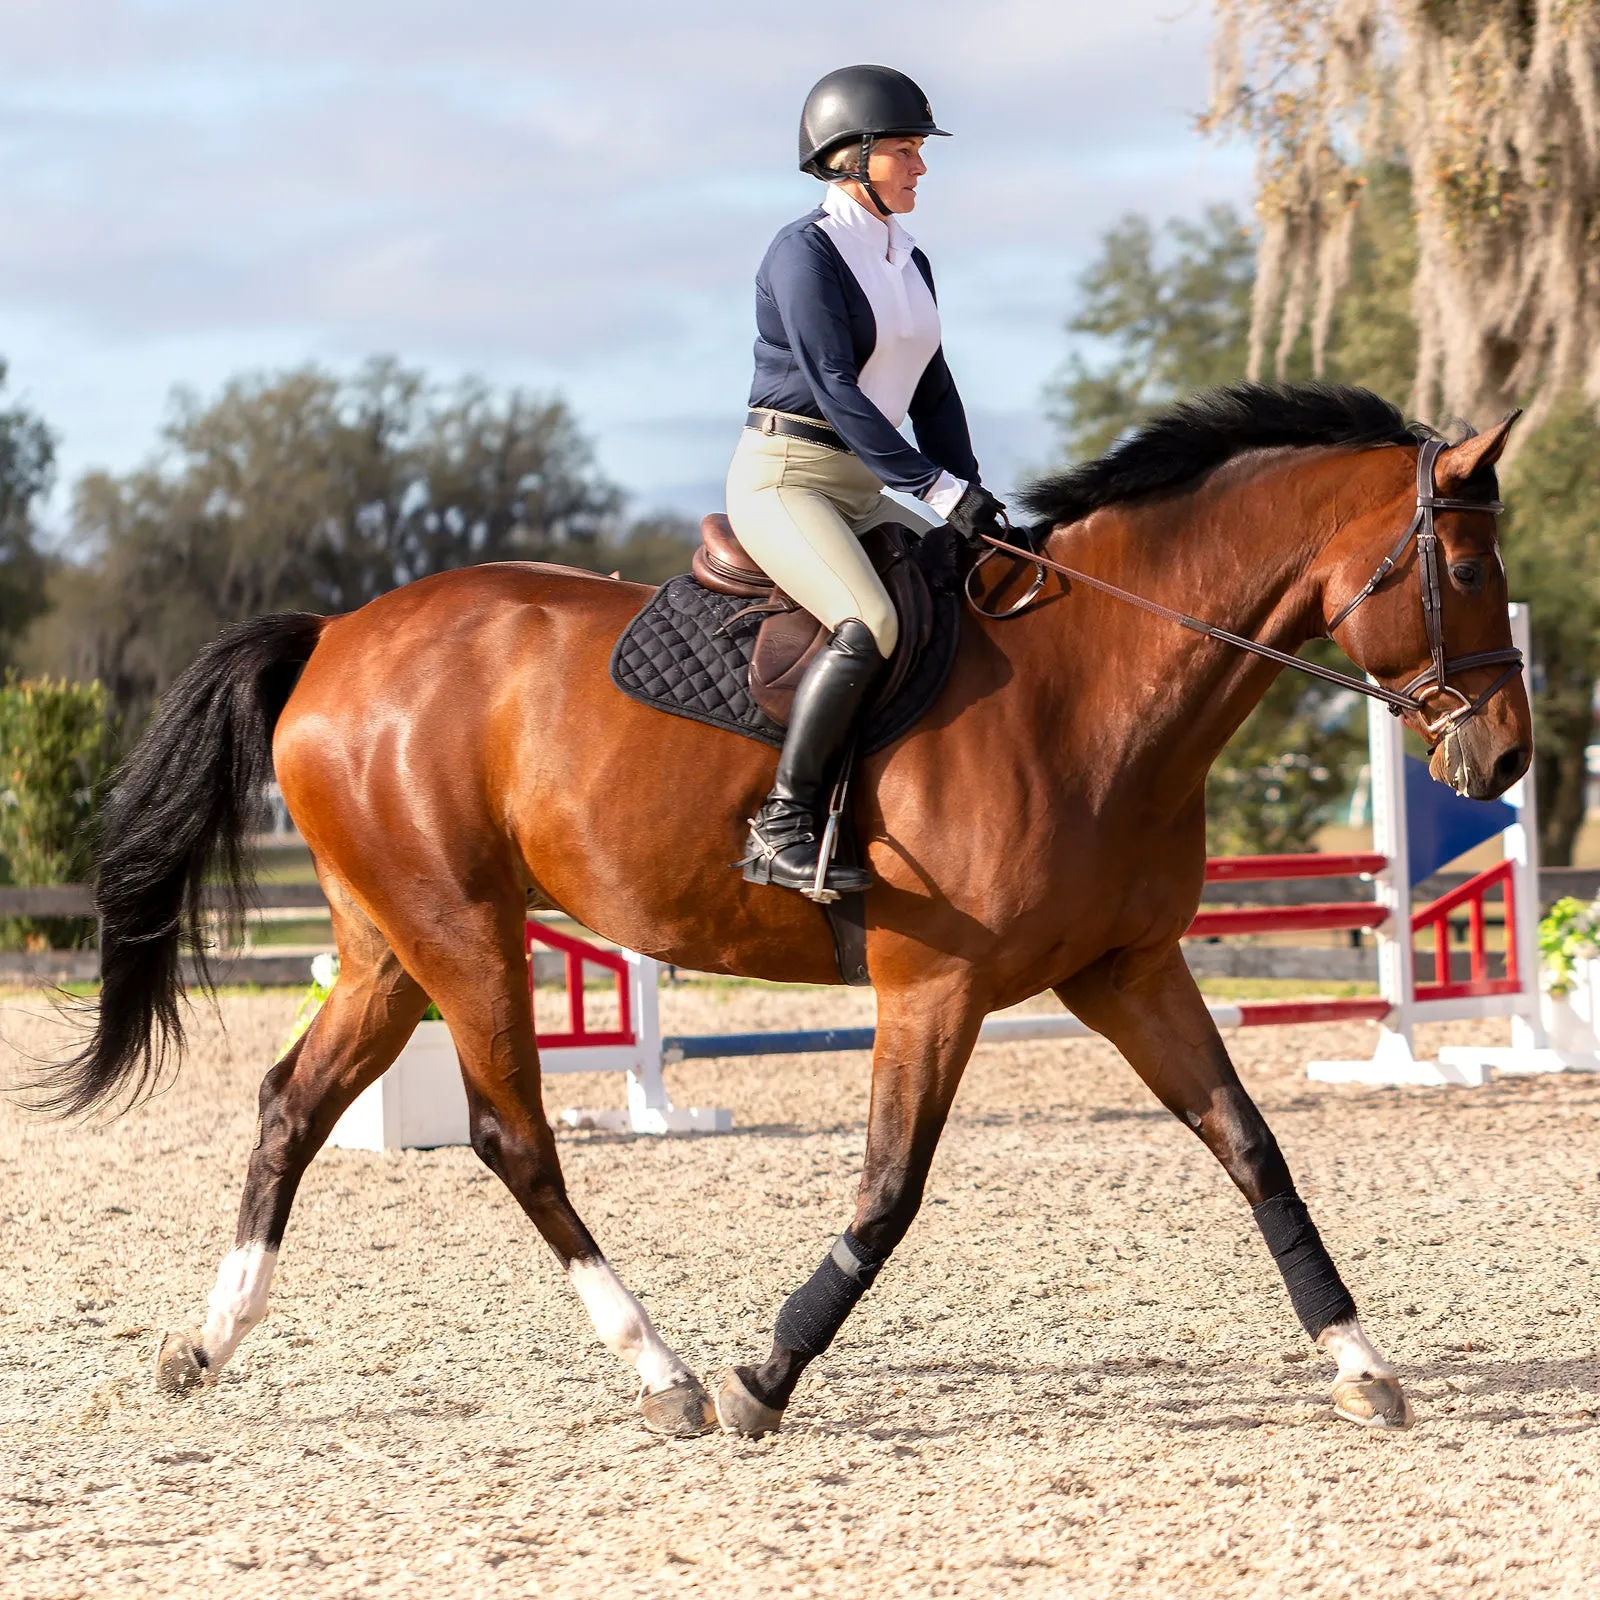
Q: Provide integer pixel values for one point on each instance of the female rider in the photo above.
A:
(847, 345)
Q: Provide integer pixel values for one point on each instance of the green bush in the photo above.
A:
(1289, 768)
(56, 752)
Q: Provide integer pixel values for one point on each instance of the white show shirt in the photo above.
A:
(878, 254)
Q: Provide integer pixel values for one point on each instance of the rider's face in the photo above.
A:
(895, 167)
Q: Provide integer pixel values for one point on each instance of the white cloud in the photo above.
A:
(560, 195)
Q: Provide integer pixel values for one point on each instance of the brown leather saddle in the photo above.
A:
(790, 636)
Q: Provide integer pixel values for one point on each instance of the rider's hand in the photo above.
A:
(976, 513)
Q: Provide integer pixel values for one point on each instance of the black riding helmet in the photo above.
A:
(864, 103)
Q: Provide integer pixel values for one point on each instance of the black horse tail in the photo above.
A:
(176, 825)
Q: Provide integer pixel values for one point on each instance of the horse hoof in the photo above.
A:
(682, 1412)
(181, 1365)
(1373, 1403)
(740, 1412)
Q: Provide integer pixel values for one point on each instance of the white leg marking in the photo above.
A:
(624, 1326)
(238, 1302)
(1353, 1352)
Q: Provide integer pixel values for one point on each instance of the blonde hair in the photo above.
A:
(845, 158)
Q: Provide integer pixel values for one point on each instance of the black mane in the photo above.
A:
(1198, 434)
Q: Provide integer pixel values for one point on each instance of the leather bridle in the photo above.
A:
(1429, 684)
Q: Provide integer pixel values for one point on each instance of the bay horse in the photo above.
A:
(455, 751)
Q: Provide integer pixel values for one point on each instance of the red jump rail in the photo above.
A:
(1331, 916)
(1288, 919)
(1471, 894)
(1247, 869)
(1277, 1013)
(577, 951)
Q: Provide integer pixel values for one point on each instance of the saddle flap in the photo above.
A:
(785, 644)
(788, 640)
(889, 548)
(684, 655)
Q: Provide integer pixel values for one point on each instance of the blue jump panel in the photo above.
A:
(700, 1046)
(1441, 825)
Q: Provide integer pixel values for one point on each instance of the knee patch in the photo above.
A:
(885, 627)
(815, 1312)
(1316, 1290)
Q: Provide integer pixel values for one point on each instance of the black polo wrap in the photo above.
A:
(1316, 1290)
(815, 1312)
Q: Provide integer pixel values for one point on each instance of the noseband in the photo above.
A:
(1431, 683)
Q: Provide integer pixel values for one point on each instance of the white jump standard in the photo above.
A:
(1447, 998)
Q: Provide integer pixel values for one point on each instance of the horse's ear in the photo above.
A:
(1457, 464)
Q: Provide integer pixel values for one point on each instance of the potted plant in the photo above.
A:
(1569, 976)
(431, 1032)
(418, 1103)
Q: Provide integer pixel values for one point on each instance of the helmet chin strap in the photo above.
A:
(860, 175)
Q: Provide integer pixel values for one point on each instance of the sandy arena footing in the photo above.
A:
(1079, 1377)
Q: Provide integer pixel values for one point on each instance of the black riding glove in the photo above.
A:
(976, 513)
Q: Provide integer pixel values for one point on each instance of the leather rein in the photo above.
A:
(1414, 697)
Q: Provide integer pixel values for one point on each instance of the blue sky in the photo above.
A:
(563, 196)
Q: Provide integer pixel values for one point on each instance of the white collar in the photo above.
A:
(887, 239)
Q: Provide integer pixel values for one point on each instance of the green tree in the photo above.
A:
(1490, 108)
(304, 490)
(1163, 312)
(27, 468)
(1551, 539)
(56, 746)
(1372, 337)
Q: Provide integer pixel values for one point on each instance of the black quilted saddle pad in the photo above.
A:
(676, 656)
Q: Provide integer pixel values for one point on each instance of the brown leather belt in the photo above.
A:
(795, 428)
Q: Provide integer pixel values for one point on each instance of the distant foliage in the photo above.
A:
(654, 549)
(27, 469)
(1164, 312)
(56, 752)
(1551, 539)
(1288, 768)
(304, 490)
(1493, 109)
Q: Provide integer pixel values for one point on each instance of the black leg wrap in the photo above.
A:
(815, 1312)
(1316, 1290)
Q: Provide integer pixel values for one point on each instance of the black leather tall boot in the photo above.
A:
(786, 833)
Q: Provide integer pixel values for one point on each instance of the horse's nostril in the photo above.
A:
(1510, 765)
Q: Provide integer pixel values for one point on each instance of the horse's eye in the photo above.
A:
(1467, 575)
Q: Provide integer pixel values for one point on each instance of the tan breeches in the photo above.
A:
(798, 508)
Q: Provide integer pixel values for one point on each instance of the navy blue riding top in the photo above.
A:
(815, 331)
